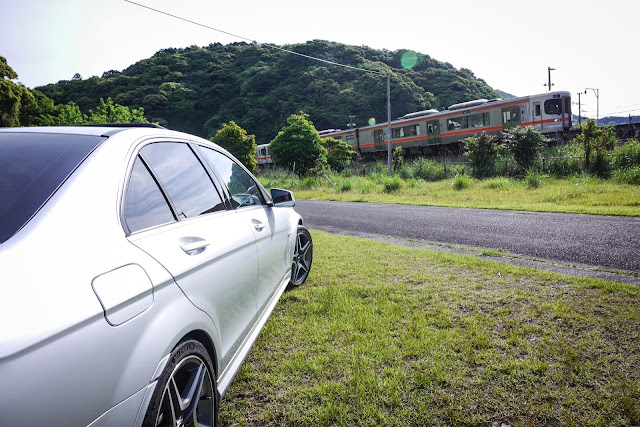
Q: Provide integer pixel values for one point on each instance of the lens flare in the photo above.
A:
(409, 59)
(372, 121)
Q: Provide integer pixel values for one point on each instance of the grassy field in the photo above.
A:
(582, 194)
(388, 335)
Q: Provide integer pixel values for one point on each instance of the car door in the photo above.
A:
(176, 214)
(271, 227)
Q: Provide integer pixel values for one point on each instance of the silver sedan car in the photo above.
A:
(137, 267)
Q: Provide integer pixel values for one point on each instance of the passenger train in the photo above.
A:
(263, 156)
(431, 132)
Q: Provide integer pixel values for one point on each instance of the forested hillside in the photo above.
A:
(197, 89)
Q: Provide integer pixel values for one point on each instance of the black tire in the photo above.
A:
(302, 257)
(189, 369)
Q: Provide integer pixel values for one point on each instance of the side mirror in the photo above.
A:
(282, 198)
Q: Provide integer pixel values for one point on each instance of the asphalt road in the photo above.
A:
(608, 242)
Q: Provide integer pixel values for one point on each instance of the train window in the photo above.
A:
(506, 117)
(485, 119)
(455, 123)
(567, 105)
(536, 109)
(397, 133)
(476, 121)
(350, 139)
(553, 106)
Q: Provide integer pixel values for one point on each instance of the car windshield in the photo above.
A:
(32, 167)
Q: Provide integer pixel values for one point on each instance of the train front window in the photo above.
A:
(553, 106)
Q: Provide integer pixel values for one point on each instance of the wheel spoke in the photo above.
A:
(188, 403)
(302, 257)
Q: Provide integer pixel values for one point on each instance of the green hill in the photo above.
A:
(196, 89)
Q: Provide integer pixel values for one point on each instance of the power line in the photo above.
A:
(388, 73)
(253, 41)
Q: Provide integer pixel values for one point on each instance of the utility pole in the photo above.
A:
(579, 110)
(549, 70)
(597, 93)
(389, 155)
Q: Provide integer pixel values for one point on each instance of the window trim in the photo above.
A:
(265, 195)
(135, 154)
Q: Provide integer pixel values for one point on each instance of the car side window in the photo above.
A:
(243, 189)
(144, 204)
(183, 179)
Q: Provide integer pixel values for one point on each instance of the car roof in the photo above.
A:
(96, 130)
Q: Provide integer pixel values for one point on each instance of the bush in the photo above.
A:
(564, 160)
(628, 176)
(626, 156)
(596, 143)
(339, 153)
(524, 144)
(482, 152)
(397, 160)
(391, 184)
(428, 170)
(460, 182)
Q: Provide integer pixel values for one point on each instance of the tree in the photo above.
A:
(108, 112)
(524, 144)
(482, 152)
(234, 139)
(596, 143)
(17, 103)
(64, 115)
(338, 153)
(5, 70)
(298, 142)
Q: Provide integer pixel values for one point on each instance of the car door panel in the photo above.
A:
(219, 278)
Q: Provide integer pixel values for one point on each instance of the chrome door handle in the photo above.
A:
(257, 224)
(191, 247)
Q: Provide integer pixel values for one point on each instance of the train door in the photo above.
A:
(433, 132)
(537, 115)
(511, 117)
(379, 139)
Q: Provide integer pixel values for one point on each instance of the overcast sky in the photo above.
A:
(509, 44)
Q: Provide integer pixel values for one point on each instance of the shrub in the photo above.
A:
(428, 170)
(391, 184)
(460, 182)
(482, 152)
(397, 160)
(626, 156)
(596, 143)
(628, 176)
(564, 160)
(339, 153)
(524, 144)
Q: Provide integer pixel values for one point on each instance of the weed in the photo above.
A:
(460, 182)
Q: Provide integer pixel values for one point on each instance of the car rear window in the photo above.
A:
(32, 167)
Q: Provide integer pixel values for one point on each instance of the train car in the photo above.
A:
(431, 131)
(263, 156)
